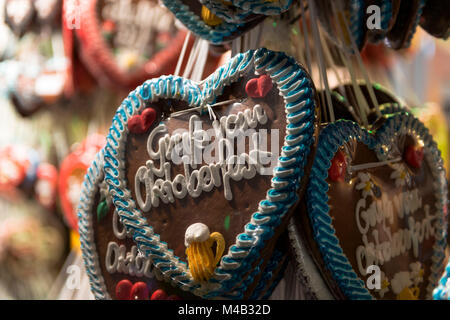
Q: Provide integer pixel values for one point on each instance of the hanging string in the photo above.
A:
(363, 70)
(236, 46)
(321, 64)
(359, 60)
(332, 65)
(182, 53)
(306, 37)
(202, 109)
(200, 62)
(362, 105)
(371, 165)
(191, 59)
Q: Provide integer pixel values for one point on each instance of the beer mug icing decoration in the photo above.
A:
(171, 165)
(123, 42)
(394, 220)
(201, 259)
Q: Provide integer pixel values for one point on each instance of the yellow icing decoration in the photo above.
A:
(75, 241)
(201, 259)
(409, 294)
(210, 18)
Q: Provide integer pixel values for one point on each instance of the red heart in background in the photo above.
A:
(259, 87)
(141, 123)
(139, 291)
(338, 167)
(123, 290)
(159, 295)
(414, 156)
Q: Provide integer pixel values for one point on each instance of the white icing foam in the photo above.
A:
(197, 232)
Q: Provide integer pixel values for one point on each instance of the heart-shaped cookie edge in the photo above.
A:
(330, 139)
(296, 87)
(98, 57)
(264, 7)
(442, 291)
(223, 11)
(90, 187)
(193, 22)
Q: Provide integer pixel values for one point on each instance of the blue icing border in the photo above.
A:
(194, 23)
(330, 139)
(90, 186)
(416, 23)
(386, 16)
(357, 21)
(271, 266)
(223, 11)
(267, 8)
(297, 90)
(442, 291)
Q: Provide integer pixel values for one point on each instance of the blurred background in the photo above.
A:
(57, 102)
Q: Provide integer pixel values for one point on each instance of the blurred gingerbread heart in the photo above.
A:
(72, 172)
(122, 42)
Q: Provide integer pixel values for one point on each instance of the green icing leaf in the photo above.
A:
(226, 223)
(102, 210)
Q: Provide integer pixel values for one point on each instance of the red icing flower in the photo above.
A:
(139, 124)
(338, 167)
(259, 87)
(414, 156)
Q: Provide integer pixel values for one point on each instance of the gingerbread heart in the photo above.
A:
(72, 171)
(113, 263)
(205, 24)
(435, 18)
(48, 11)
(226, 11)
(121, 51)
(19, 15)
(406, 23)
(393, 220)
(264, 7)
(212, 230)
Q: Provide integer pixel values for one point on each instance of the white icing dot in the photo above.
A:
(197, 232)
